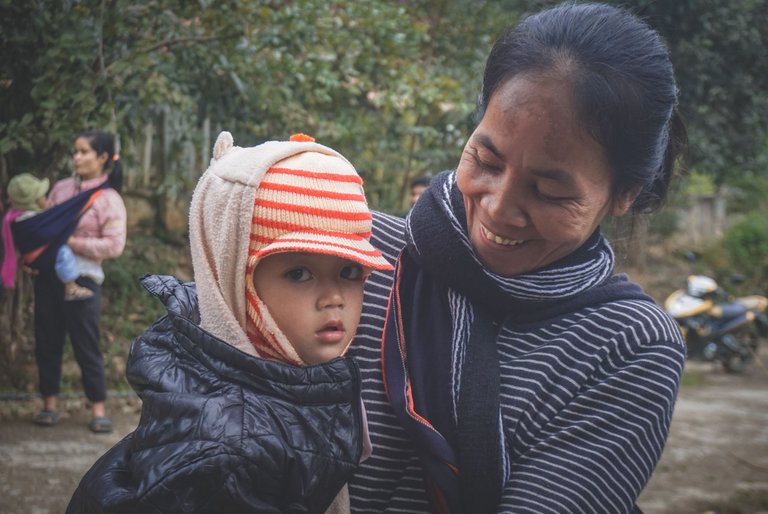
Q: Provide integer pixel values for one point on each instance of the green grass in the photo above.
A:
(692, 378)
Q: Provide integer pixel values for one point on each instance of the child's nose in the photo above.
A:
(331, 297)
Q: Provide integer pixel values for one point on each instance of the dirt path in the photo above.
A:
(40, 467)
(717, 453)
(716, 457)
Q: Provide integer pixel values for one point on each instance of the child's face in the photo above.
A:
(315, 299)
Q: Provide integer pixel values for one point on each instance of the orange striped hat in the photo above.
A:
(313, 202)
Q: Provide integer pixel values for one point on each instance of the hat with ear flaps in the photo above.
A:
(280, 196)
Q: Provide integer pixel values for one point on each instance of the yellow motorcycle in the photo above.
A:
(716, 326)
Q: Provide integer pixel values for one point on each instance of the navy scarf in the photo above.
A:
(439, 357)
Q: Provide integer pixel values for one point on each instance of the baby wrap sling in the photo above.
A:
(39, 237)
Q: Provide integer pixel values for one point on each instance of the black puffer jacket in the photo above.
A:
(222, 431)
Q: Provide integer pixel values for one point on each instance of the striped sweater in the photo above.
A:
(586, 401)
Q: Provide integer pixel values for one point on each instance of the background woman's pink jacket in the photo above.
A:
(101, 232)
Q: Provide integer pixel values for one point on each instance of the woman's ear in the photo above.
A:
(102, 159)
(623, 202)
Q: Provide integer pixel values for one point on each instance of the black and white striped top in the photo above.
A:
(586, 401)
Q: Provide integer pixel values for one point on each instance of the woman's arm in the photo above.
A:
(595, 452)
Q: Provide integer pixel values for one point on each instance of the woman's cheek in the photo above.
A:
(467, 177)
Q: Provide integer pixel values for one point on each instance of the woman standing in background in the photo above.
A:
(100, 235)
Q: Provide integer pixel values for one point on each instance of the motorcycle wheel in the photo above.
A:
(743, 347)
(736, 363)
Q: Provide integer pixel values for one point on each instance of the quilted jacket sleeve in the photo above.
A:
(205, 482)
(208, 477)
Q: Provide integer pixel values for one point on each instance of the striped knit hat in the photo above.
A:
(309, 202)
(313, 202)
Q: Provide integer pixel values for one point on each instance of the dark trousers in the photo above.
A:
(54, 319)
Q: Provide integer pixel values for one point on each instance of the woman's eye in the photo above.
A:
(489, 167)
(485, 165)
(298, 275)
(352, 272)
(552, 197)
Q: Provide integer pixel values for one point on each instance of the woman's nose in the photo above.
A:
(505, 204)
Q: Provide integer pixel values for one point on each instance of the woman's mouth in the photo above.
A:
(490, 236)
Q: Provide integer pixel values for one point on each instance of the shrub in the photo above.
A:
(127, 309)
(747, 246)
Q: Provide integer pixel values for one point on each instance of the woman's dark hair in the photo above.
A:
(104, 142)
(622, 83)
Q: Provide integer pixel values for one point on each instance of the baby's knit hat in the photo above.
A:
(309, 202)
(299, 196)
(25, 189)
(313, 202)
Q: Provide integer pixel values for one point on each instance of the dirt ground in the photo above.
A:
(716, 458)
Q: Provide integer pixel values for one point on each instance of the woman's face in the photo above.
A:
(87, 163)
(535, 184)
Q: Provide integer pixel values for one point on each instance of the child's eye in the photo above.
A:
(352, 272)
(298, 275)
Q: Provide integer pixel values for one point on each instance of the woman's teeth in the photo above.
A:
(500, 240)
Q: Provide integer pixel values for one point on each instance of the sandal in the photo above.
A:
(77, 292)
(100, 425)
(46, 418)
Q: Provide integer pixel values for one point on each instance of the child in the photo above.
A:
(27, 196)
(246, 405)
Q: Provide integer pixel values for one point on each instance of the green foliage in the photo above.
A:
(664, 223)
(698, 184)
(692, 378)
(747, 245)
(718, 51)
(127, 308)
(124, 294)
(390, 84)
(749, 194)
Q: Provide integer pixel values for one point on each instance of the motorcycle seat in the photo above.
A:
(726, 311)
(755, 302)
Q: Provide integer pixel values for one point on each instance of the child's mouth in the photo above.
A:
(331, 333)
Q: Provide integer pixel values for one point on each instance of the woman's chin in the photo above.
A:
(504, 260)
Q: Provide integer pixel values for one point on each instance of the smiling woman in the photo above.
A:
(514, 371)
